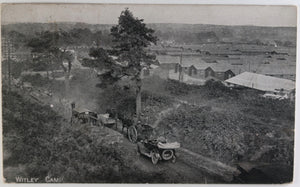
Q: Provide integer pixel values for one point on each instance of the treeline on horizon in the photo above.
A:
(97, 34)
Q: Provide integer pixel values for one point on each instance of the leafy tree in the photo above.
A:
(83, 36)
(99, 36)
(41, 63)
(17, 39)
(52, 46)
(128, 55)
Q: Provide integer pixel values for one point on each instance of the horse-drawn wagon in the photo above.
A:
(83, 115)
(135, 130)
(107, 120)
(156, 149)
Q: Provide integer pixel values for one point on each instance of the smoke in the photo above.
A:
(83, 89)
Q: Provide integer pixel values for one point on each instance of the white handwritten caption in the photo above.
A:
(47, 179)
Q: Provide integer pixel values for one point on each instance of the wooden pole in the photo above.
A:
(138, 98)
(180, 66)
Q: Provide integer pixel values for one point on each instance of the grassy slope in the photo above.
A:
(37, 142)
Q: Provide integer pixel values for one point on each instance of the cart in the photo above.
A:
(139, 132)
(83, 115)
(106, 120)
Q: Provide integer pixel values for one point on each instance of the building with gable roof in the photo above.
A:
(204, 70)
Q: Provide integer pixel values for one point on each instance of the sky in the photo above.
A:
(262, 15)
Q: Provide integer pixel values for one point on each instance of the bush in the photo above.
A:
(178, 88)
(201, 130)
(218, 89)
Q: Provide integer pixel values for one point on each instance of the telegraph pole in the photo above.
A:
(8, 62)
(180, 66)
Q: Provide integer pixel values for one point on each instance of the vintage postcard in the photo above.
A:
(148, 93)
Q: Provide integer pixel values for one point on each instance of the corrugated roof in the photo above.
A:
(217, 67)
(187, 61)
(81, 109)
(202, 65)
(261, 82)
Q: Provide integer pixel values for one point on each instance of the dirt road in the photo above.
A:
(190, 167)
(163, 113)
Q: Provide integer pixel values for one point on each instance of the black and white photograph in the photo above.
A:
(148, 93)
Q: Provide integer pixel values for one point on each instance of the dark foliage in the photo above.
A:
(130, 37)
(178, 88)
(51, 47)
(16, 68)
(36, 80)
(217, 89)
(44, 144)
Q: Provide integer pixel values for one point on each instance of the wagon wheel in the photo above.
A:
(167, 154)
(132, 134)
(154, 157)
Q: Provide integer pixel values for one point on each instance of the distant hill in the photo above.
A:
(180, 33)
(32, 28)
(190, 32)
